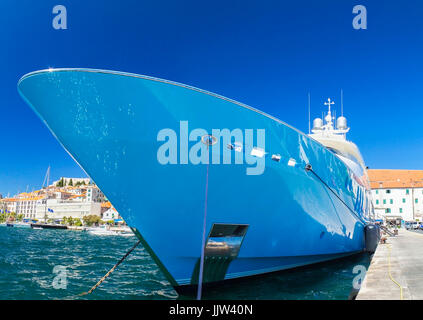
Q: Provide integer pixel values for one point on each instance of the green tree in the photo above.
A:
(71, 183)
(61, 183)
(91, 219)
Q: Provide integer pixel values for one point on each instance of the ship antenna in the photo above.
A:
(342, 103)
(309, 113)
(328, 118)
(334, 117)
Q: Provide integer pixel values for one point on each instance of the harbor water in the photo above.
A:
(28, 259)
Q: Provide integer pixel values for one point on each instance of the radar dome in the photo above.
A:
(341, 123)
(317, 124)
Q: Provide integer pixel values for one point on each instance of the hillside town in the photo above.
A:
(72, 201)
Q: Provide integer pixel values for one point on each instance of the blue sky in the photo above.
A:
(268, 54)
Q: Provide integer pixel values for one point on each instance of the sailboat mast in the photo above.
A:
(46, 180)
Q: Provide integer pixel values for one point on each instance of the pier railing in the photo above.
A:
(389, 232)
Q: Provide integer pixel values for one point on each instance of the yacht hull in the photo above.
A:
(285, 217)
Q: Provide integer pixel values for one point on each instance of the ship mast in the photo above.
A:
(326, 126)
(328, 118)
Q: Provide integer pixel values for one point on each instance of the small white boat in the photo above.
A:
(22, 225)
(126, 234)
(106, 230)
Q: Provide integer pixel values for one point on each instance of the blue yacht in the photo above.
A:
(214, 188)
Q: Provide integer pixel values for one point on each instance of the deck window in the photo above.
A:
(276, 157)
(257, 152)
(291, 162)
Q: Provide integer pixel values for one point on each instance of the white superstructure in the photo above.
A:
(334, 138)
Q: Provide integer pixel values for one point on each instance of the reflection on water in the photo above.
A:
(27, 259)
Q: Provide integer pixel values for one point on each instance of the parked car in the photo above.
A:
(412, 225)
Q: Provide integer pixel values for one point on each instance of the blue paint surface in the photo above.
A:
(109, 123)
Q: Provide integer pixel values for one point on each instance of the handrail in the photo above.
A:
(387, 231)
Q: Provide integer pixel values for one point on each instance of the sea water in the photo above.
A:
(60, 264)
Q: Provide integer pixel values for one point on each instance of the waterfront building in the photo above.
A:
(397, 194)
(90, 192)
(105, 206)
(8, 205)
(110, 214)
(26, 207)
(94, 194)
(22, 204)
(57, 209)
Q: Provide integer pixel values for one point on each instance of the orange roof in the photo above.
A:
(387, 178)
(22, 199)
(9, 199)
(77, 196)
(106, 204)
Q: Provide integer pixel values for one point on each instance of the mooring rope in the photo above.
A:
(107, 274)
(389, 272)
(309, 168)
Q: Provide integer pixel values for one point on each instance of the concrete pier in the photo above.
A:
(396, 270)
